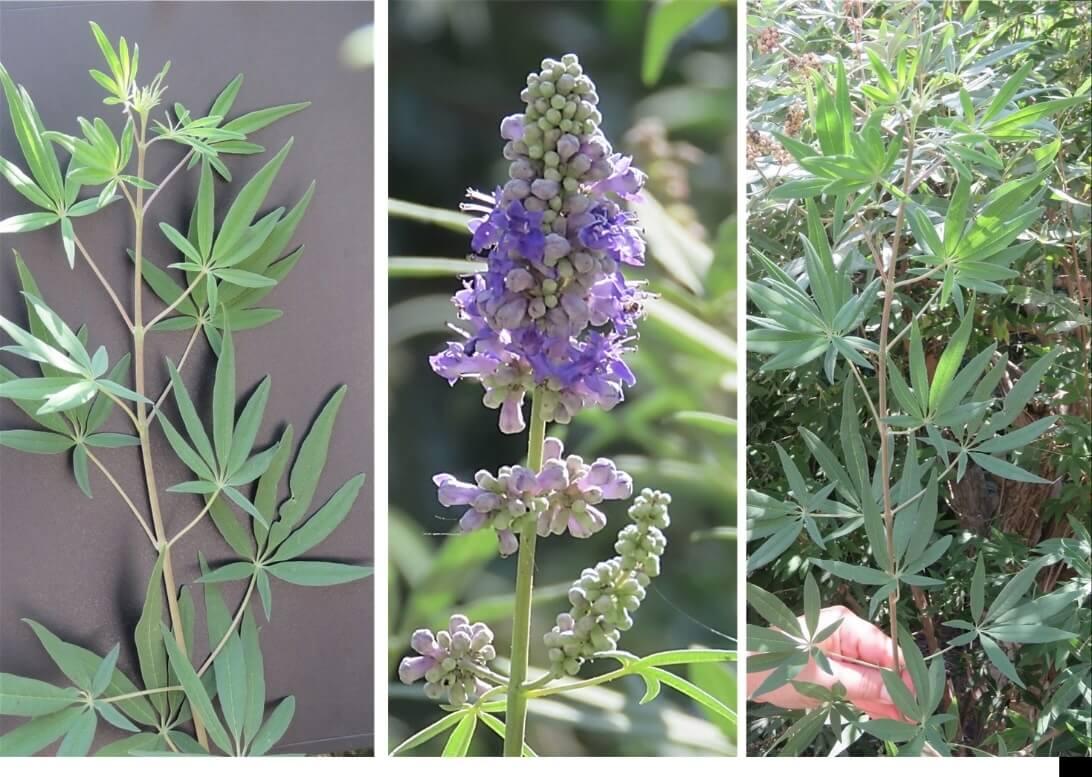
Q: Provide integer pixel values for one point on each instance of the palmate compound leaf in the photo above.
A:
(650, 670)
(230, 136)
(71, 376)
(784, 649)
(256, 265)
(1011, 619)
(280, 542)
(225, 463)
(848, 161)
(976, 251)
(796, 330)
(79, 665)
(985, 441)
(781, 522)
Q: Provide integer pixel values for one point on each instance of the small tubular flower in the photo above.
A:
(447, 660)
(552, 310)
(606, 596)
(560, 497)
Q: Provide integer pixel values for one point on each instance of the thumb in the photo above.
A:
(864, 686)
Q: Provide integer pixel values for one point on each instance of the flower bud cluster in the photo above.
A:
(447, 660)
(552, 310)
(562, 496)
(605, 597)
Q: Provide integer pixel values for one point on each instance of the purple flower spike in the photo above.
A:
(552, 311)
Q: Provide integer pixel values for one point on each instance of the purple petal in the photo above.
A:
(414, 668)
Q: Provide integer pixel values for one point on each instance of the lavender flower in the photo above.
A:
(552, 310)
(562, 496)
(604, 598)
(447, 661)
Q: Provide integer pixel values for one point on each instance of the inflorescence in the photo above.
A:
(562, 496)
(552, 310)
(448, 661)
(605, 597)
(551, 314)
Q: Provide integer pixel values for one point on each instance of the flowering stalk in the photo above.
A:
(515, 718)
(551, 316)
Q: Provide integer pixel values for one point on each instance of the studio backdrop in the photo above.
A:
(77, 565)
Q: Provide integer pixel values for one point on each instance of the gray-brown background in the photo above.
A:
(78, 565)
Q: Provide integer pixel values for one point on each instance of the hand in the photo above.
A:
(856, 640)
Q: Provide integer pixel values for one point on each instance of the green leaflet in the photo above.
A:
(247, 203)
(458, 744)
(195, 691)
(317, 573)
(151, 654)
(254, 702)
(38, 734)
(322, 523)
(310, 461)
(274, 727)
(30, 698)
(32, 441)
(223, 400)
(231, 684)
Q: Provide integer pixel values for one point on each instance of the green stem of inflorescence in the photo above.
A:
(516, 713)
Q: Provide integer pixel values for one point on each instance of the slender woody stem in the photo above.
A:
(143, 429)
(515, 722)
(881, 369)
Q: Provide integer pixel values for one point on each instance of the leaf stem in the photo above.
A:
(196, 520)
(232, 627)
(136, 694)
(105, 283)
(868, 399)
(185, 355)
(170, 175)
(515, 722)
(121, 491)
(550, 690)
(124, 407)
(163, 313)
(915, 317)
